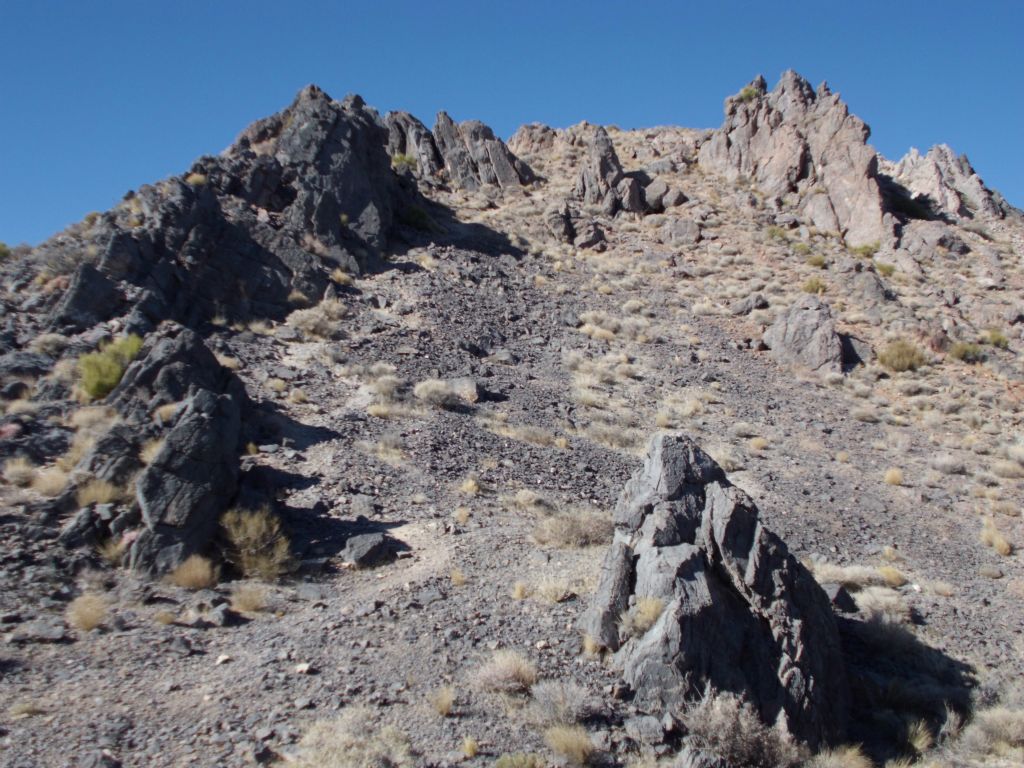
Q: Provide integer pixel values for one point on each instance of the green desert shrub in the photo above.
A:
(867, 250)
(814, 285)
(101, 371)
(901, 355)
(967, 352)
(749, 93)
(885, 270)
(996, 338)
(402, 162)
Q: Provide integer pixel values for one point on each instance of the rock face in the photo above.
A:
(795, 140)
(805, 335)
(738, 612)
(409, 137)
(601, 180)
(948, 183)
(474, 157)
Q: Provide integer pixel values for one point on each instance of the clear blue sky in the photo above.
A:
(101, 97)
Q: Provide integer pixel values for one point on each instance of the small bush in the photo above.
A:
(801, 249)
(249, 598)
(99, 492)
(321, 321)
(5, 252)
(196, 179)
(19, 471)
(893, 476)
(507, 672)
(814, 285)
(991, 536)
(967, 352)
(401, 162)
(996, 338)
(641, 617)
(354, 740)
(196, 572)
(900, 355)
(257, 544)
(86, 612)
(570, 742)
(776, 233)
(101, 371)
(50, 482)
(558, 703)
(728, 728)
(577, 528)
(817, 260)
(843, 757)
(885, 270)
(438, 393)
(867, 251)
(443, 700)
(749, 93)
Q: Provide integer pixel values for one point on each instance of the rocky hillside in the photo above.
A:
(369, 444)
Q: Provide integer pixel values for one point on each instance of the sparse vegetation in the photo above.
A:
(641, 617)
(101, 371)
(885, 270)
(402, 162)
(991, 536)
(354, 740)
(507, 672)
(996, 338)
(728, 728)
(556, 702)
(247, 597)
(868, 250)
(817, 260)
(574, 528)
(814, 285)
(893, 476)
(99, 492)
(443, 700)
(195, 572)
(321, 321)
(87, 612)
(967, 352)
(257, 545)
(19, 471)
(749, 93)
(572, 743)
(900, 355)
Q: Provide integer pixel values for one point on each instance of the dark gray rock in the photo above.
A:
(739, 612)
(749, 304)
(601, 172)
(367, 549)
(805, 335)
(183, 492)
(90, 298)
(474, 157)
(673, 198)
(408, 137)
(24, 364)
(40, 631)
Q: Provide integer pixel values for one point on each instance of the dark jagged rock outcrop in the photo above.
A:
(474, 157)
(805, 336)
(795, 140)
(601, 180)
(408, 137)
(738, 612)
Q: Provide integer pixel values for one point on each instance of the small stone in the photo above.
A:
(990, 572)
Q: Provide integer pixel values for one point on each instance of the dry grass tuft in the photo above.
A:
(727, 727)
(520, 590)
(558, 703)
(443, 700)
(991, 536)
(470, 486)
(571, 743)
(843, 757)
(150, 449)
(507, 672)
(248, 597)
(354, 740)
(196, 572)
(641, 617)
(470, 747)
(901, 355)
(99, 492)
(257, 544)
(892, 576)
(438, 393)
(50, 482)
(25, 709)
(19, 471)
(458, 578)
(86, 612)
(574, 528)
(893, 476)
(112, 551)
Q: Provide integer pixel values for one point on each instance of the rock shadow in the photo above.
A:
(896, 681)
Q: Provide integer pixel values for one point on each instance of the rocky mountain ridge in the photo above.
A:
(393, 378)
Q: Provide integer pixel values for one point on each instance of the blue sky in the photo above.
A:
(101, 97)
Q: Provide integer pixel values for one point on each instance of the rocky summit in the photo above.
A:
(364, 443)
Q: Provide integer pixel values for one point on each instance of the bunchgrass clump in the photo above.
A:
(101, 371)
(195, 572)
(574, 528)
(354, 740)
(257, 544)
(967, 352)
(507, 672)
(641, 617)
(900, 355)
(86, 612)
(572, 743)
(728, 728)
